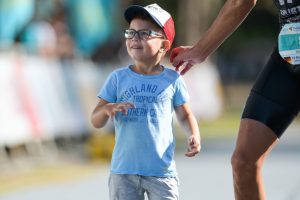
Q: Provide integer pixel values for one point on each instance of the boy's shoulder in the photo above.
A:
(121, 71)
(171, 73)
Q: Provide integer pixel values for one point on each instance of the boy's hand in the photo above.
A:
(193, 146)
(113, 108)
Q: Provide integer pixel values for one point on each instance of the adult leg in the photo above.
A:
(254, 142)
(273, 103)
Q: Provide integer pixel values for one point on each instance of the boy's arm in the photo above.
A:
(190, 125)
(105, 110)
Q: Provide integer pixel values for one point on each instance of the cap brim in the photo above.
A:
(133, 10)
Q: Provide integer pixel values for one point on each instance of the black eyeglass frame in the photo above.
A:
(143, 34)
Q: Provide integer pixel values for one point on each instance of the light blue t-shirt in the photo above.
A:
(144, 138)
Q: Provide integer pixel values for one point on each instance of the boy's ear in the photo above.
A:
(166, 45)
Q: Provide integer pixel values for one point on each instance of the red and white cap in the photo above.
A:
(161, 17)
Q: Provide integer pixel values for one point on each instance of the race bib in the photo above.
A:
(289, 43)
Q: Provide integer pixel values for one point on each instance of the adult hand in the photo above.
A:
(183, 58)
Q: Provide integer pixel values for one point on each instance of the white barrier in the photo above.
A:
(15, 126)
(41, 99)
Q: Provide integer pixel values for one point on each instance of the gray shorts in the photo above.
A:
(136, 187)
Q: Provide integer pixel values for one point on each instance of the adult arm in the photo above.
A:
(229, 18)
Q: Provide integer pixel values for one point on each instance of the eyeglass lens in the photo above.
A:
(142, 34)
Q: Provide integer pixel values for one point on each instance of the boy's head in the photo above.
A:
(156, 14)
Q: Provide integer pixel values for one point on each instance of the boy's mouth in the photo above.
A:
(136, 47)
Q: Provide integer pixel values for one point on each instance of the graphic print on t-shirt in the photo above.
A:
(149, 99)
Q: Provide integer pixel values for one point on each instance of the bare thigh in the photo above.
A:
(254, 140)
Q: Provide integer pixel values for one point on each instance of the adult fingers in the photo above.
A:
(179, 65)
(176, 57)
(174, 53)
(186, 68)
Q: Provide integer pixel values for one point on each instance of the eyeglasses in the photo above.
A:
(143, 34)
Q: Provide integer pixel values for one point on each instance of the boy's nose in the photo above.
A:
(136, 37)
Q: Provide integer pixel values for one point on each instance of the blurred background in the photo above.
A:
(55, 55)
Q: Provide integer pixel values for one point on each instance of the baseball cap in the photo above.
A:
(161, 17)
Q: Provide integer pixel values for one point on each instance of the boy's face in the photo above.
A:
(147, 49)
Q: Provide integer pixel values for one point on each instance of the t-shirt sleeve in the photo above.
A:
(181, 93)
(108, 90)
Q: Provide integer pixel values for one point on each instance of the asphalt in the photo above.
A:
(207, 176)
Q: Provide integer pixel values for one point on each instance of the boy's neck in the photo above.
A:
(147, 69)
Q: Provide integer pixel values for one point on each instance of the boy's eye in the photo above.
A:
(144, 34)
(129, 33)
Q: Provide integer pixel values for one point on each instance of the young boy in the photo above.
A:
(141, 99)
